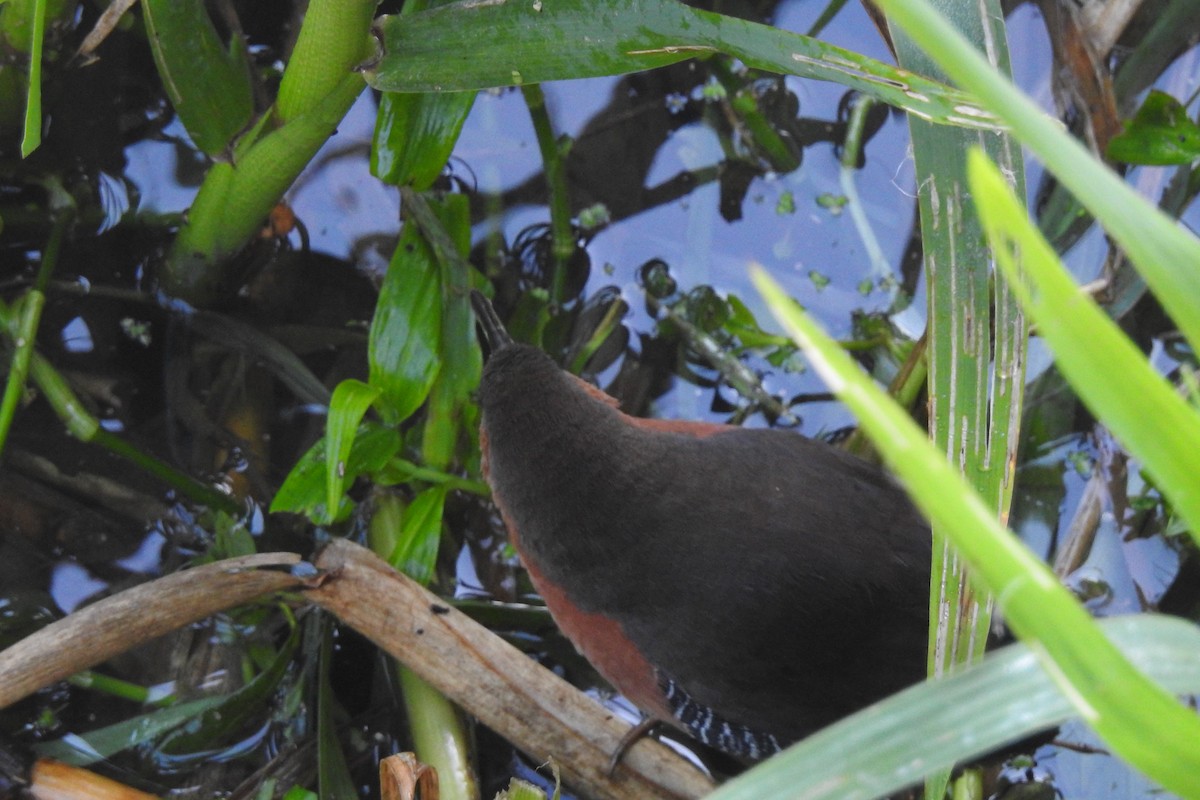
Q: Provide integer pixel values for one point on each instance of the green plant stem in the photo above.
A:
(782, 156)
(740, 377)
(334, 40)
(26, 333)
(612, 318)
(23, 338)
(439, 733)
(439, 736)
(851, 148)
(418, 473)
(190, 487)
(86, 428)
(554, 163)
(826, 17)
(318, 87)
(115, 687)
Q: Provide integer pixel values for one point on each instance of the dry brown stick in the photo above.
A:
(118, 623)
(530, 706)
(52, 780)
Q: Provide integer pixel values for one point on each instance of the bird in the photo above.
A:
(746, 586)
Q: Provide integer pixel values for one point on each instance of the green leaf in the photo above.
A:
(1107, 370)
(1140, 721)
(208, 83)
(300, 793)
(32, 136)
(349, 403)
(448, 228)
(1160, 134)
(83, 749)
(304, 490)
(976, 336)
(406, 330)
(467, 46)
(407, 535)
(415, 134)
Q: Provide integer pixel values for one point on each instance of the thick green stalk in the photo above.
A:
(439, 733)
(334, 40)
(319, 85)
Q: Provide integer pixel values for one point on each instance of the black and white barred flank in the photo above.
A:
(713, 730)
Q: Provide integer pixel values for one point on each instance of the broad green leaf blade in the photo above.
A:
(467, 46)
(415, 134)
(1161, 133)
(447, 227)
(208, 83)
(406, 331)
(1163, 252)
(303, 491)
(891, 745)
(1140, 721)
(1108, 372)
(350, 402)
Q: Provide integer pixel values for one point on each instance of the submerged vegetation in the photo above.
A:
(193, 391)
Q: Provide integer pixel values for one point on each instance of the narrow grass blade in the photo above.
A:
(1139, 719)
(1107, 370)
(1161, 250)
(891, 745)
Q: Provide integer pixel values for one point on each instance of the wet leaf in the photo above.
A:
(350, 402)
(459, 349)
(303, 492)
(415, 134)
(466, 46)
(745, 327)
(1160, 134)
(406, 332)
(208, 83)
